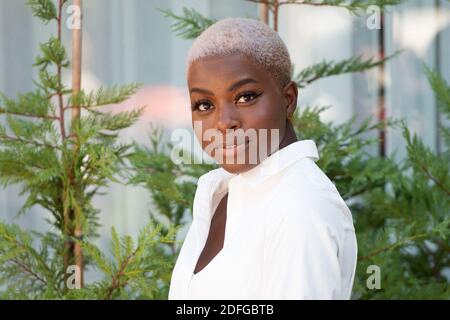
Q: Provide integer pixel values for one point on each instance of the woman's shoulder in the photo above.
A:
(309, 196)
(306, 174)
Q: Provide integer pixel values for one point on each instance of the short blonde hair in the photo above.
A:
(249, 37)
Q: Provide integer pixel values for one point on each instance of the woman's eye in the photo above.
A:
(202, 106)
(246, 97)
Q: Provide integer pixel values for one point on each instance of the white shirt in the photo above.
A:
(288, 233)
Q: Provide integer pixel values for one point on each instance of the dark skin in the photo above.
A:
(230, 93)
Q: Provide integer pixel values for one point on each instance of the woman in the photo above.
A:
(271, 226)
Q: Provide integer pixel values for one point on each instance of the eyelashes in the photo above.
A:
(251, 94)
(205, 105)
(197, 105)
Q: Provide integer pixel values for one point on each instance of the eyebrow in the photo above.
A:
(200, 90)
(234, 86)
(241, 83)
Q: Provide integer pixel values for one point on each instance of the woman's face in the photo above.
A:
(234, 102)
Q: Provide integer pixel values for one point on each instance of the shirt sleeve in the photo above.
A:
(302, 243)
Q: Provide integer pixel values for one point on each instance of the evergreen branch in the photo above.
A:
(4, 137)
(114, 94)
(31, 104)
(441, 89)
(395, 245)
(434, 179)
(30, 130)
(331, 68)
(97, 256)
(131, 262)
(443, 245)
(52, 52)
(441, 229)
(43, 9)
(115, 282)
(353, 6)
(28, 270)
(4, 111)
(190, 24)
(95, 125)
(59, 75)
(7, 233)
(103, 96)
(363, 189)
(423, 159)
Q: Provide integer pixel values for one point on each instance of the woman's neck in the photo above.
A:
(289, 136)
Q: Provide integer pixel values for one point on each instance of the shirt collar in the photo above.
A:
(279, 160)
(219, 178)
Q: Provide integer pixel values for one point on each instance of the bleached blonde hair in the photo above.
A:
(249, 37)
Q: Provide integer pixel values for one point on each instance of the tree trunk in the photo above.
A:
(76, 86)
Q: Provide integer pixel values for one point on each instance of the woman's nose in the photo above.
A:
(227, 119)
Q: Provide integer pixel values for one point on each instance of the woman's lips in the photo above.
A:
(232, 150)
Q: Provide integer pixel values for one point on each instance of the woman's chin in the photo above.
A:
(237, 168)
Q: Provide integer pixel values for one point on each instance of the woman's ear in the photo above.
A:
(290, 93)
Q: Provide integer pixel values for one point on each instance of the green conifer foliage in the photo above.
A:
(61, 164)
